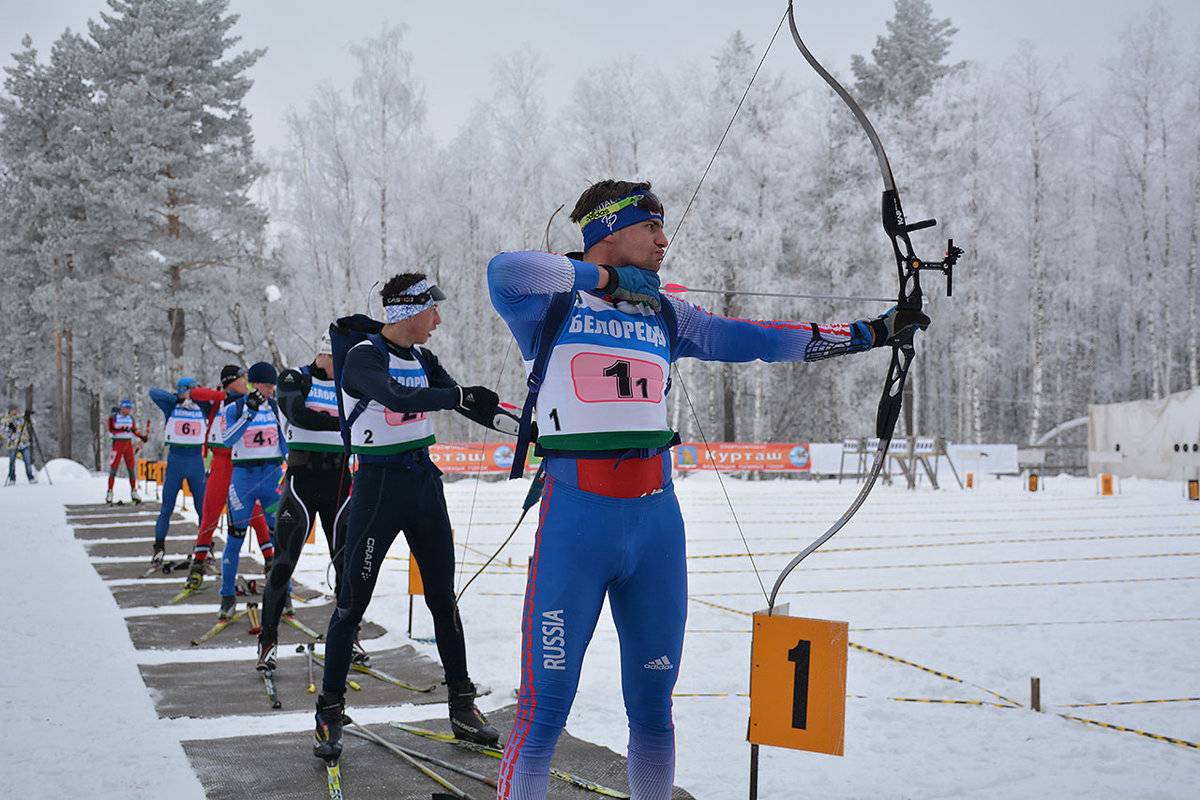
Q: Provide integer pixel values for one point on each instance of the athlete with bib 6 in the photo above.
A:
(598, 340)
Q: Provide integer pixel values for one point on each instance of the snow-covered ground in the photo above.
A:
(1096, 596)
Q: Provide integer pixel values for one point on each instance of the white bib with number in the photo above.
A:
(123, 421)
(607, 373)
(378, 431)
(185, 426)
(259, 439)
(322, 398)
(216, 430)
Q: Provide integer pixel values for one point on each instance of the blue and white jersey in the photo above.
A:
(322, 398)
(185, 425)
(380, 431)
(607, 374)
(253, 438)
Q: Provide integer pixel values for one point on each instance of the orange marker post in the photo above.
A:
(798, 683)
(415, 587)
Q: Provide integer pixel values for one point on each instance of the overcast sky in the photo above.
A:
(455, 43)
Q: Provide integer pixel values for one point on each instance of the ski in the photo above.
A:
(333, 777)
(185, 593)
(406, 755)
(386, 678)
(494, 752)
(215, 629)
(268, 677)
(290, 619)
(167, 567)
(383, 676)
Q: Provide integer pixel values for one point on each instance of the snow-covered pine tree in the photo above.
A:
(171, 161)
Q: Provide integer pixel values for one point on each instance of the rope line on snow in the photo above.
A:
(896, 659)
(1029, 584)
(1158, 737)
(922, 545)
(1131, 702)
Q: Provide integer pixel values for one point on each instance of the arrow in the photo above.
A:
(678, 288)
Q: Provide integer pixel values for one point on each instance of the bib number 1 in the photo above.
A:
(601, 378)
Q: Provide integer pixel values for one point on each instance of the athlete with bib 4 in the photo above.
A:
(598, 340)
(317, 484)
(185, 427)
(254, 434)
(388, 388)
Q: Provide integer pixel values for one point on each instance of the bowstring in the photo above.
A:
(479, 474)
(678, 371)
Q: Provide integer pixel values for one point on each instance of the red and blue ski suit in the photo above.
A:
(610, 525)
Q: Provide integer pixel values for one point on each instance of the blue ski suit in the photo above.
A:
(259, 448)
(185, 462)
(610, 525)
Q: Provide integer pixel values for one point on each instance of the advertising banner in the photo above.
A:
(741, 457)
(472, 457)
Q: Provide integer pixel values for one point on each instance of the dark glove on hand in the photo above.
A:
(477, 400)
(633, 285)
(255, 399)
(897, 322)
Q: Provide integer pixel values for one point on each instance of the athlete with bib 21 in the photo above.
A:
(598, 340)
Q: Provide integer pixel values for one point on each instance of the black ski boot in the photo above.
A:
(359, 654)
(266, 655)
(228, 606)
(160, 550)
(466, 720)
(195, 576)
(331, 716)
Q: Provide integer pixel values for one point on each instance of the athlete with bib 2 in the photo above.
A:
(185, 426)
(389, 388)
(598, 340)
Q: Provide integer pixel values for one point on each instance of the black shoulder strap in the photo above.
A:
(556, 317)
(670, 320)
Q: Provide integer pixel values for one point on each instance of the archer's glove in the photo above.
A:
(896, 323)
(633, 285)
(255, 399)
(477, 401)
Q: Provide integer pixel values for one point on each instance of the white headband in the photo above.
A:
(402, 311)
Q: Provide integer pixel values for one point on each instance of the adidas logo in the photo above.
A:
(662, 662)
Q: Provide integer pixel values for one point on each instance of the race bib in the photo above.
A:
(395, 418)
(260, 437)
(188, 427)
(604, 378)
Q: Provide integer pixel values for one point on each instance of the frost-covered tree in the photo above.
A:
(171, 158)
(907, 62)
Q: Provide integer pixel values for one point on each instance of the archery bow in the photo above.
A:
(908, 268)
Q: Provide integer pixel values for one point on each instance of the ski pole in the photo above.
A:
(437, 762)
(312, 687)
(424, 770)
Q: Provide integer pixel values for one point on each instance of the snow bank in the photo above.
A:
(64, 469)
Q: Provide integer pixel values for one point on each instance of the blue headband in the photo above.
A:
(613, 216)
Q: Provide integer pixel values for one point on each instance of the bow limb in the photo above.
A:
(908, 295)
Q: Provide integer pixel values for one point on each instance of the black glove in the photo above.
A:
(477, 401)
(896, 323)
(255, 399)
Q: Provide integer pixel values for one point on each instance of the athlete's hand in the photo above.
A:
(633, 285)
(477, 401)
(255, 399)
(896, 323)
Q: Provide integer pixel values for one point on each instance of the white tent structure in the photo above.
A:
(1147, 438)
